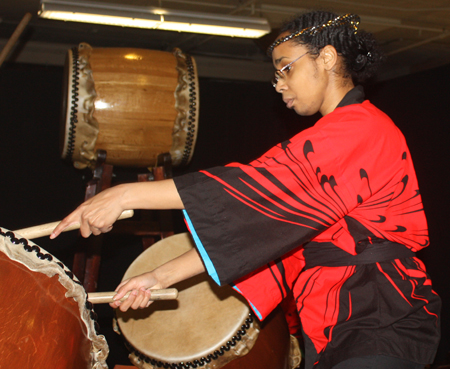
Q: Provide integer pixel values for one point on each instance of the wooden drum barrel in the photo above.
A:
(46, 319)
(206, 327)
(132, 103)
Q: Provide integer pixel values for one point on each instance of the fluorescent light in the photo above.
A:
(154, 18)
(100, 19)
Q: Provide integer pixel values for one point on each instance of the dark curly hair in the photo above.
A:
(361, 54)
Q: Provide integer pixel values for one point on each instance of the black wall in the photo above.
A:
(238, 122)
(418, 104)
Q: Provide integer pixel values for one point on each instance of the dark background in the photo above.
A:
(238, 122)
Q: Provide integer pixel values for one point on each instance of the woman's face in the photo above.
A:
(305, 84)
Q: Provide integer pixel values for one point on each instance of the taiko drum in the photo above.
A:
(134, 104)
(47, 321)
(207, 327)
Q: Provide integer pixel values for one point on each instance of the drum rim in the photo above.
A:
(249, 323)
(79, 116)
(187, 104)
(69, 105)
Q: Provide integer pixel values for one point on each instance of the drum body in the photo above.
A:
(46, 319)
(132, 103)
(206, 327)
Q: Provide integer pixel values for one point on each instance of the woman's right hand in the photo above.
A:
(139, 287)
(176, 270)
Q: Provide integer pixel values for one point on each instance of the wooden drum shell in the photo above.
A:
(132, 103)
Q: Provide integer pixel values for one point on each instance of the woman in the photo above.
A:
(333, 215)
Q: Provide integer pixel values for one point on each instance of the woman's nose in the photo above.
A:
(280, 86)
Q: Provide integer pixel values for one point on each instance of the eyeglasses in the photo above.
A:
(279, 73)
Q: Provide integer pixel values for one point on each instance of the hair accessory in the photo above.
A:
(350, 20)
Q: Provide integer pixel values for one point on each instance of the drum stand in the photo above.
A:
(86, 263)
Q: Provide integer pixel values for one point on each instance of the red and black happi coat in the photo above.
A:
(334, 216)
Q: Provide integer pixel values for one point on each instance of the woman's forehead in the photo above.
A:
(287, 49)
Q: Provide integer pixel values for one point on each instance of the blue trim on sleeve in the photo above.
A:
(204, 255)
(255, 310)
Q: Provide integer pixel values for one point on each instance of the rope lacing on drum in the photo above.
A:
(202, 361)
(192, 111)
(73, 104)
(46, 256)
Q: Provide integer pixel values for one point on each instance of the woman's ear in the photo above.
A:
(329, 57)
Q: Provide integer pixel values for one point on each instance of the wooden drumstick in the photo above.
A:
(107, 297)
(47, 229)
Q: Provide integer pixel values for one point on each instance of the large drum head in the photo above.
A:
(45, 321)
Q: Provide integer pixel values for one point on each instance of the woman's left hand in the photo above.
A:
(96, 215)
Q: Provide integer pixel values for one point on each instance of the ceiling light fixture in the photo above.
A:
(154, 18)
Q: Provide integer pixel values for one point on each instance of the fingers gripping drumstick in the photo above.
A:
(95, 297)
(107, 297)
(47, 229)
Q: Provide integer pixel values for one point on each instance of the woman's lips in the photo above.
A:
(289, 103)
